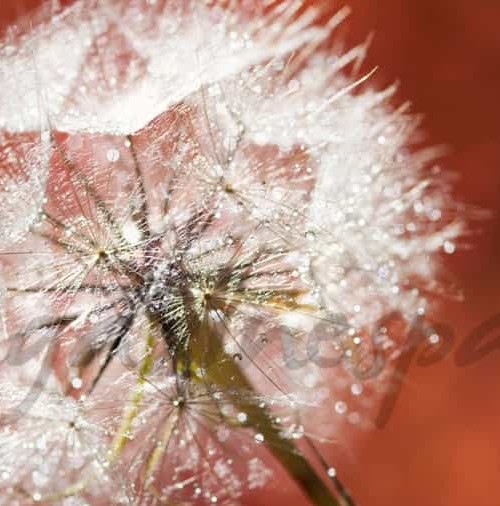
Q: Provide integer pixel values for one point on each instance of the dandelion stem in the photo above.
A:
(222, 373)
(133, 406)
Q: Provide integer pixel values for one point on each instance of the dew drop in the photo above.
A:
(238, 357)
(434, 339)
(310, 235)
(259, 437)
(76, 383)
(298, 432)
(435, 214)
(449, 247)
(340, 407)
(356, 389)
(113, 155)
(331, 472)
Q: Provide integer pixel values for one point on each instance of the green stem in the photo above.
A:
(223, 373)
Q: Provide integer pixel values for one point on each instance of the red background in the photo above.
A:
(441, 447)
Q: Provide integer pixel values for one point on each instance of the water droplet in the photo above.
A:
(259, 437)
(434, 339)
(76, 383)
(238, 357)
(242, 417)
(449, 247)
(340, 407)
(179, 402)
(435, 214)
(331, 472)
(356, 389)
(298, 432)
(310, 235)
(113, 155)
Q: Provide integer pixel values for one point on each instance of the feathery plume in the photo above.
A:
(203, 217)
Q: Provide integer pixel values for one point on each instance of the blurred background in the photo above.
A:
(441, 446)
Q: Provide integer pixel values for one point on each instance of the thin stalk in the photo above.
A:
(223, 373)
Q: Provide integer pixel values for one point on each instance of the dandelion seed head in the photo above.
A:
(34, 463)
(198, 245)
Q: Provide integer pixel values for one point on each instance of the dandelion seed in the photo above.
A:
(32, 452)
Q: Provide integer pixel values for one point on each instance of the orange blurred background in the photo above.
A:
(441, 446)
